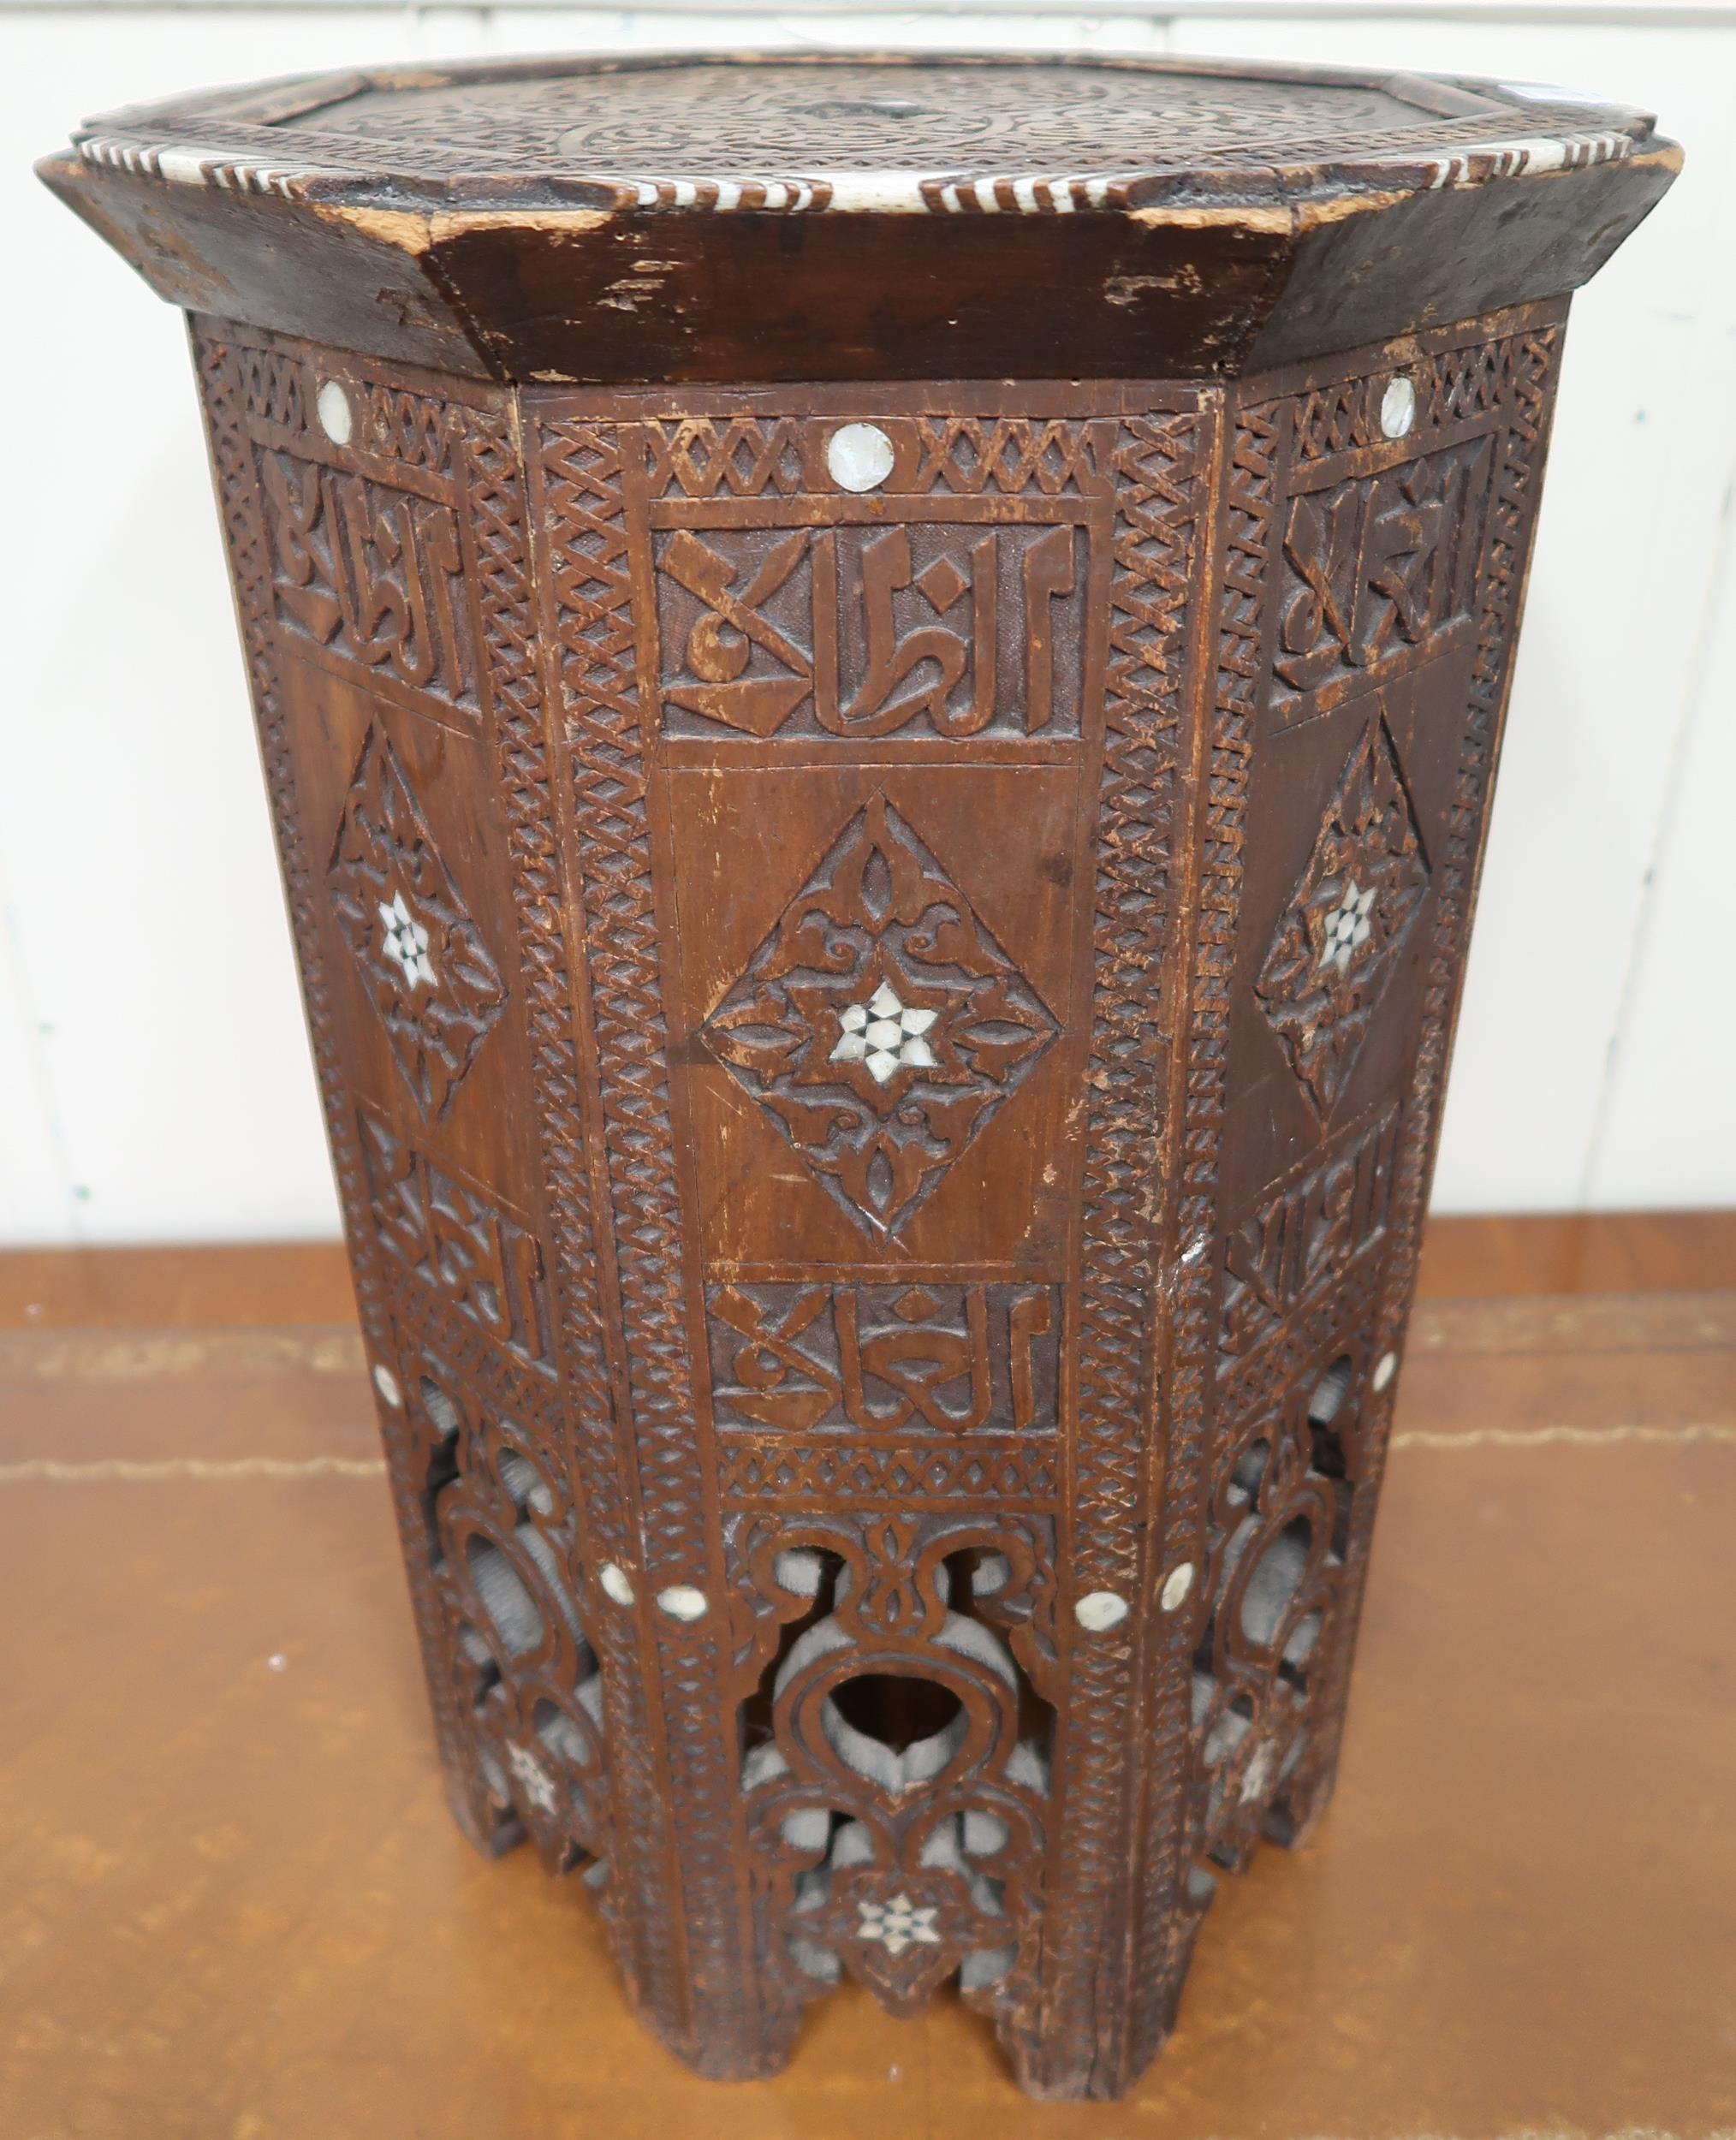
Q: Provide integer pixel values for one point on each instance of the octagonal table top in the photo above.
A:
(660, 217)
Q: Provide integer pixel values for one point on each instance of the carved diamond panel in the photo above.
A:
(1348, 915)
(880, 1025)
(428, 972)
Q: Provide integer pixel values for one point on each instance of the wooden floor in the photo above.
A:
(233, 1907)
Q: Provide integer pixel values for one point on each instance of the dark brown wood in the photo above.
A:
(819, 215)
(882, 959)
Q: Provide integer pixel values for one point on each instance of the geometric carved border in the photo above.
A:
(580, 469)
(1159, 463)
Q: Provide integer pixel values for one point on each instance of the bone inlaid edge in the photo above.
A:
(898, 192)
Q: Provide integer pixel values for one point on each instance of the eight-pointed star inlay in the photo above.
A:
(884, 1036)
(897, 1923)
(406, 942)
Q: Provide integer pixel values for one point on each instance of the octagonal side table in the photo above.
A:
(880, 681)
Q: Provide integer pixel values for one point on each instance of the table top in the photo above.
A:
(236, 1905)
(1166, 217)
(814, 132)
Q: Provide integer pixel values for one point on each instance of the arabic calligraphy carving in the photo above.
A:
(1348, 915)
(1305, 1233)
(879, 911)
(365, 553)
(371, 576)
(936, 629)
(428, 972)
(1379, 573)
(459, 1239)
(880, 1358)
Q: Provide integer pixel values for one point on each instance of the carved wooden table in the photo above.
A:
(880, 683)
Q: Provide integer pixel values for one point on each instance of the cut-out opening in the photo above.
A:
(1326, 1424)
(525, 1485)
(1275, 1579)
(978, 1575)
(1293, 1666)
(560, 1735)
(439, 1407)
(1249, 1469)
(1329, 1392)
(474, 1648)
(1230, 1728)
(442, 1460)
(810, 1572)
(895, 1708)
(509, 1604)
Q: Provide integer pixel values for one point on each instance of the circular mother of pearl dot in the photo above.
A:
(387, 1384)
(1385, 1367)
(1099, 1610)
(1398, 408)
(859, 457)
(615, 1582)
(1176, 1585)
(682, 1602)
(335, 417)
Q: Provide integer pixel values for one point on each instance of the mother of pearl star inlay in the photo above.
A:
(884, 1037)
(1338, 939)
(406, 942)
(1348, 927)
(896, 1924)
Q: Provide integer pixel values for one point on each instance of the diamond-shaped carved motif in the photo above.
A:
(427, 969)
(1336, 941)
(880, 1025)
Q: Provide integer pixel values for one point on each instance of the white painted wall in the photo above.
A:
(154, 1077)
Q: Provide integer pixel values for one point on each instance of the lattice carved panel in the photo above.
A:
(897, 1750)
(503, 1547)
